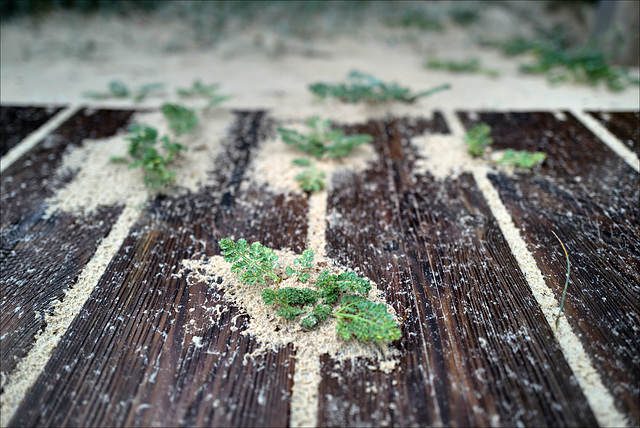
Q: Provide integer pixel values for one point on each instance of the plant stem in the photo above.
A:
(566, 283)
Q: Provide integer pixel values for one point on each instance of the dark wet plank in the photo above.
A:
(38, 271)
(42, 256)
(476, 349)
(591, 198)
(150, 349)
(624, 125)
(18, 122)
(29, 180)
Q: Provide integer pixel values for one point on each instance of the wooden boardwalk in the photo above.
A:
(476, 350)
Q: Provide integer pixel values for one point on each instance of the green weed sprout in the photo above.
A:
(370, 89)
(118, 89)
(182, 120)
(323, 140)
(253, 263)
(144, 154)
(311, 180)
(477, 139)
(466, 66)
(357, 316)
(583, 64)
(566, 283)
(208, 92)
(522, 159)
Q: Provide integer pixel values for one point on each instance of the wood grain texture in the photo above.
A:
(37, 272)
(151, 349)
(476, 349)
(625, 125)
(18, 122)
(42, 256)
(30, 180)
(591, 198)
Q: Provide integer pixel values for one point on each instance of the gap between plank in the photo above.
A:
(304, 400)
(598, 396)
(36, 136)
(608, 138)
(64, 312)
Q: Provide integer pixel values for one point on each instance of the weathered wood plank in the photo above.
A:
(624, 125)
(38, 271)
(18, 122)
(150, 349)
(42, 256)
(29, 181)
(476, 349)
(591, 198)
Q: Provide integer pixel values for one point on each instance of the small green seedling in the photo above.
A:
(208, 92)
(118, 89)
(311, 180)
(182, 120)
(566, 283)
(370, 89)
(522, 159)
(144, 154)
(357, 316)
(466, 66)
(477, 139)
(323, 140)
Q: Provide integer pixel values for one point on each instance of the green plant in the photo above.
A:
(311, 180)
(208, 92)
(477, 139)
(370, 89)
(322, 140)
(585, 64)
(522, 159)
(182, 120)
(566, 283)
(467, 66)
(253, 263)
(118, 89)
(357, 316)
(142, 150)
(302, 263)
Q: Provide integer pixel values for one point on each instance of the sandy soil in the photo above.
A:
(58, 59)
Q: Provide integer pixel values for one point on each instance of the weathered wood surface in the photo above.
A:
(151, 349)
(18, 122)
(591, 198)
(42, 255)
(625, 125)
(477, 350)
(130, 358)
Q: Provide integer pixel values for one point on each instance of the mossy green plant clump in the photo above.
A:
(342, 296)
(367, 88)
(554, 57)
